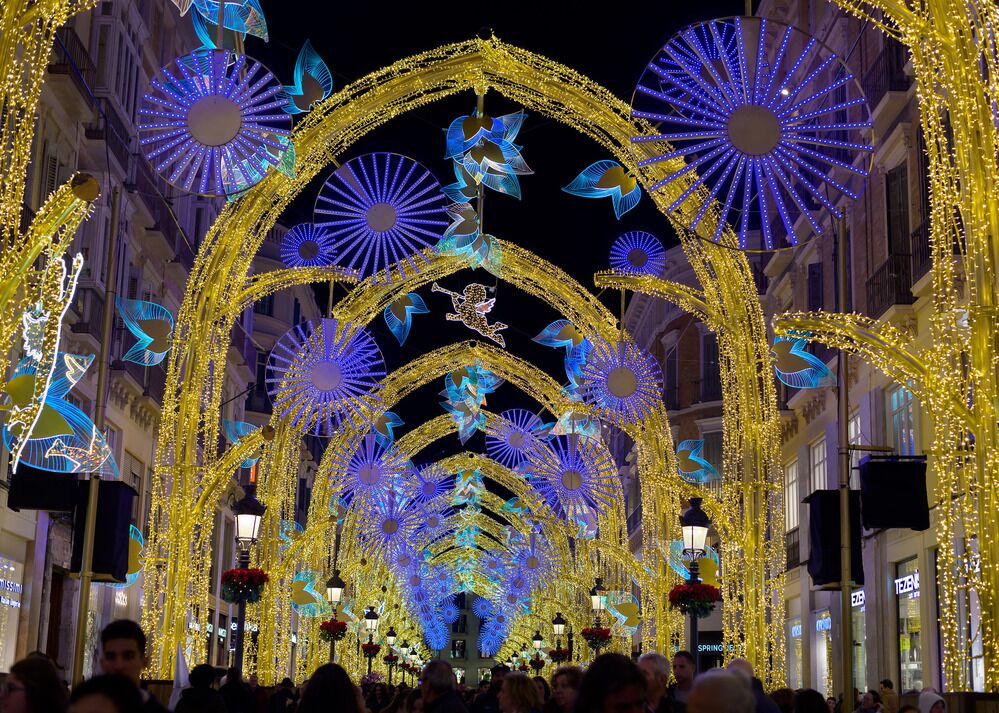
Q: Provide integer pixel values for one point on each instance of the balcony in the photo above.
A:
(136, 372)
(792, 548)
(671, 397)
(89, 304)
(258, 401)
(922, 253)
(110, 128)
(885, 75)
(891, 284)
(155, 384)
(71, 59)
(710, 389)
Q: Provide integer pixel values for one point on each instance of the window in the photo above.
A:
(710, 375)
(854, 438)
(460, 626)
(817, 464)
(902, 418)
(458, 649)
(791, 497)
(671, 390)
(815, 301)
(264, 306)
(794, 671)
(260, 387)
(897, 209)
(910, 650)
(133, 471)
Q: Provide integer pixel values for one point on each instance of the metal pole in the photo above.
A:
(843, 416)
(332, 651)
(694, 579)
(244, 563)
(100, 411)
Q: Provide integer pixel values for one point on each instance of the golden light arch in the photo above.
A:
(189, 421)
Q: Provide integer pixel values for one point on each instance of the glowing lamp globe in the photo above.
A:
(694, 524)
(249, 511)
(334, 588)
(558, 624)
(371, 620)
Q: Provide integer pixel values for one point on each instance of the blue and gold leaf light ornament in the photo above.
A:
(514, 506)
(307, 245)
(624, 607)
(468, 489)
(515, 432)
(243, 16)
(691, 466)
(464, 189)
(136, 556)
(384, 427)
(467, 416)
(708, 564)
(574, 474)
(484, 148)
(399, 314)
(607, 179)
(638, 253)
(562, 333)
(577, 423)
(467, 536)
(312, 82)
(796, 367)
(339, 507)
(586, 522)
(290, 531)
(308, 598)
(235, 430)
(621, 380)
(152, 325)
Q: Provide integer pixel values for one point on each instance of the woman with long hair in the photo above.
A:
(565, 685)
(518, 695)
(33, 686)
(330, 690)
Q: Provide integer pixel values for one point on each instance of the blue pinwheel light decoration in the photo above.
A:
(312, 82)
(766, 120)
(152, 325)
(234, 431)
(622, 380)
(607, 179)
(399, 314)
(321, 374)
(562, 333)
(638, 253)
(382, 210)
(513, 434)
(484, 148)
(212, 123)
(307, 245)
(796, 367)
(691, 466)
(574, 474)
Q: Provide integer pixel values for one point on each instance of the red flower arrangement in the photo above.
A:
(697, 599)
(523, 667)
(537, 663)
(597, 637)
(391, 659)
(332, 630)
(243, 585)
(371, 650)
(559, 655)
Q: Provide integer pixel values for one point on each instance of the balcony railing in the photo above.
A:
(258, 402)
(70, 57)
(90, 307)
(891, 284)
(919, 246)
(792, 548)
(671, 397)
(110, 128)
(711, 389)
(886, 74)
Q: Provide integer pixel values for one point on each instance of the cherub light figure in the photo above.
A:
(471, 307)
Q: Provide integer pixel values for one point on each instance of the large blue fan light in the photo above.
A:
(574, 475)
(513, 435)
(759, 119)
(622, 380)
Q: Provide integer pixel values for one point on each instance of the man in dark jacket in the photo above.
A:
(236, 693)
(764, 703)
(437, 686)
(123, 651)
(488, 702)
(201, 697)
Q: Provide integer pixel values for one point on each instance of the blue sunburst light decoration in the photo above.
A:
(386, 530)
(383, 210)
(574, 474)
(621, 380)
(307, 245)
(212, 124)
(367, 468)
(691, 465)
(638, 253)
(320, 374)
(758, 119)
(430, 485)
(516, 432)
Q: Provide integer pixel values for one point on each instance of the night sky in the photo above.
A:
(610, 46)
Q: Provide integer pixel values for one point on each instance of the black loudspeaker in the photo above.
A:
(114, 516)
(893, 493)
(823, 538)
(37, 489)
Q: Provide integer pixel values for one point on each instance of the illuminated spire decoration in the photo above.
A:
(211, 123)
(638, 253)
(235, 430)
(607, 179)
(367, 469)
(621, 380)
(484, 149)
(313, 81)
(399, 314)
(307, 245)
(762, 136)
(691, 466)
(320, 374)
(796, 367)
(574, 473)
(382, 209)
(243, 16)
(513, 434)
(152, 324)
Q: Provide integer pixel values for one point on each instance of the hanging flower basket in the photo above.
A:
(537, 663)
(371, 650)
(391, 659)
(597, 637)
(697, 599)
(332, 630)
(559, 655)
(243, 585)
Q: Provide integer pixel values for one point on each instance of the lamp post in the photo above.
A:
(404, 656)
(694, 525)
(598, 599)
(249, 512)
(569, 643)
(371, 626)
(390, 638)
(334, 595)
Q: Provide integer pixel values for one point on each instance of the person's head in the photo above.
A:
(612, 684)
(518, 694)
(110, 693)
(33, 686)
(496, 675)
(329, 683)
(437, 679)
(655, 668)
(931, 702)
(542, 687)
(233, 675)
(287, 683)
(784, 698)
(867, 701)
(414, 704)
(831, 703)
(202, 676)
(886, 685)
(683, 667)
(565, 685)
(741, 667)
(123, 649)
(808, 700)
(718, 691)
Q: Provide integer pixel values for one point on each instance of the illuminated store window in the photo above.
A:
(858, 601)
(822, 652)
(910, 648)
(10, 609)
(795, 679)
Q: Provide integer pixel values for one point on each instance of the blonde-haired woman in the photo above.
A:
(518, 695)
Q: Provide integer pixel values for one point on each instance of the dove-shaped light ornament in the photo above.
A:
(244, 16)
(607, 179)
(312, 82)
(399, 314)
(384, 428)
(691, 466)
(796, 367)
(306, 599)
(152, 325)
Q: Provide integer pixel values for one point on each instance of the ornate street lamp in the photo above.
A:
(334, 595)
(371, 626)
(249, 512)
(537, 640)
(694, 525)
(598, 598)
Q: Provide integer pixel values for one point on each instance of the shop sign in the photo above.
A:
(858, 598)
(796, 631)
(713, 648)
(9, 586)
(8, 602)
(823, 624)
(908, 583)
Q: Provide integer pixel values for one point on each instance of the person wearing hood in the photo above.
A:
(931, 702)
(201, 697)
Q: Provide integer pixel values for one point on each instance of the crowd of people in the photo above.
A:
(611, 684)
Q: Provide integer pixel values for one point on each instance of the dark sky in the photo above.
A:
(610, 45)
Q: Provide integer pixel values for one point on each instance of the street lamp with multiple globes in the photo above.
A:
(694, 525)
(371, 626)
(249, 511)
